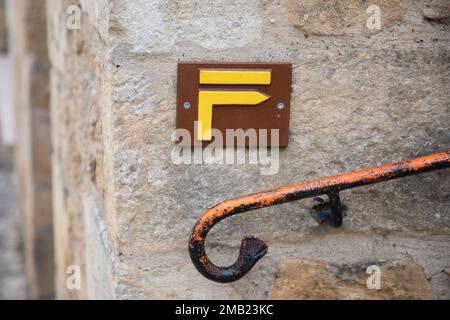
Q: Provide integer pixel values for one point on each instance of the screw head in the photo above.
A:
(186, 105)
(280, 106)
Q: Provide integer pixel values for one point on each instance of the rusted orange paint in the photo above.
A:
(296, 192)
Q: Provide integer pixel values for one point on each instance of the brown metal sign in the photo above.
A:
(216, 101)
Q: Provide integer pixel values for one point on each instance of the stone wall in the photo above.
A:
(124, 211)
(33, 147)
(80, 107)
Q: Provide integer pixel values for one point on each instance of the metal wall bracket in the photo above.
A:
(329, 212)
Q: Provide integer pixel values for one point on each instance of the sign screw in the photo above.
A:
(186, 105)
(280, 106)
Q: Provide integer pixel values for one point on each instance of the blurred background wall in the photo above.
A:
(100, 200)
(32, 153)
(12, 274)
(6, 105)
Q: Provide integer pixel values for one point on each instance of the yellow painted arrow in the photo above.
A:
(207, 99)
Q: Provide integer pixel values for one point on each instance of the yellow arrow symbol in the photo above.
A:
(207, 99)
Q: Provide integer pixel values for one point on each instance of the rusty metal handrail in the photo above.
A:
(252, 249)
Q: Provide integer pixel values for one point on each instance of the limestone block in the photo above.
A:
(344, 17)
(321, 281)
(354, 105)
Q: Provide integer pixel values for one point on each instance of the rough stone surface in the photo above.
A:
(436, 10)
(32, 156)
(321, 281)
(124, 211)
(79, 112)
(333, 18)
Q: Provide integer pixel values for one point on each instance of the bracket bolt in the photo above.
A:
(186, 105)
(280, 106)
